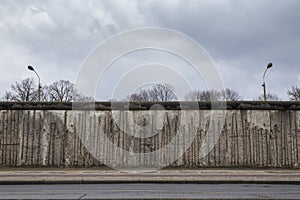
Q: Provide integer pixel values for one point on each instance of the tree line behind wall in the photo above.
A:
(64, 91)
(166, 92)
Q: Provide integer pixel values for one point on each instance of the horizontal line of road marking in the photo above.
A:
(60, 192)
(155, 175)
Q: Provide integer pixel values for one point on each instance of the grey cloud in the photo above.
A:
(241, 36)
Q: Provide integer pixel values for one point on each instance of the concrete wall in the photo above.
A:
(253, 135)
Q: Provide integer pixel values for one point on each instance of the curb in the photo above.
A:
(161, 177)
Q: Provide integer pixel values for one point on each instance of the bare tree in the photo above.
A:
(210, 95)
(8, 96)
(163, 92)
(141, 95)
(80, 97)
(294, 93)
(270, 97)
(158, 92)
(194, 95)
(22, 91)
(60, 91)
(229, 95)
(206, 95)
(213, 95)
(44, 94)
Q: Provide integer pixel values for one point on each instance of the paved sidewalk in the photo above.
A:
(94, 175)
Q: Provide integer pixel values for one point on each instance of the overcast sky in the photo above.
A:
(241, 36)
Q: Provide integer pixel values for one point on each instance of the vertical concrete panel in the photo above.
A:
(297, 127)
(46, 139)
(29, 137)
(293, 138)
(26, 130)
(1, 137)
(197, 147)
(284, 139)
(227, 152)
(9, 143)
(289, 139)
(235, 140)
(275, 123)
(280, 140)
(222, 145)
(36, 132)
(296, 139)
(20, 137)
(4, 138)
(71, 128)
(15, 137)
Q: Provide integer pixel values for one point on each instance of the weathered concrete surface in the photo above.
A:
(253, 135)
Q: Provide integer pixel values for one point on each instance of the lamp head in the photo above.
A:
(30, 68)
(269, 65)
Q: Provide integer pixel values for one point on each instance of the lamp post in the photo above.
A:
(39, 87)
(264, 84)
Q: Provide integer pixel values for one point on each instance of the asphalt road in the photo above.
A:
(151, 191)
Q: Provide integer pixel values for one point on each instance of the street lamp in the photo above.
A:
(264, 84)
(39, 87)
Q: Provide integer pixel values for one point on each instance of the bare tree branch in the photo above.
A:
(158, 93)
(294, 93)
(212, 95)
(60, 91)
(229, 95)
(270, 97)
(22, 91)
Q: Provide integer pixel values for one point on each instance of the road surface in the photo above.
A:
(150, 191)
